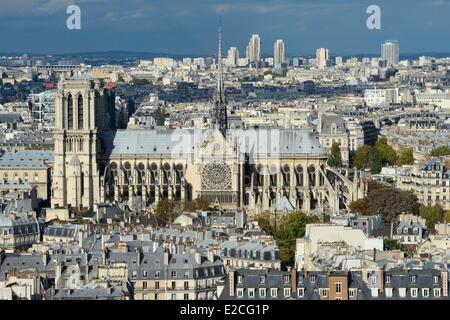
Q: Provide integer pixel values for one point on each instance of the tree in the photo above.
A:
(201, 204)
(387, 201)
(296, 223)
(447, 216)
(265, 224)
(195, 205)
(189, 206)
(433, 215)
(440, 151)
(375, 161)
(406, 157)
(391, 244)
(168, 210)
(138, 81)
(286, 229)
(360, 206)
(335, 158)
(387, 153)
(362, 157)
(391, 202)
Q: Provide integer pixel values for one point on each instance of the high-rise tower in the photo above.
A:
(254, 49)
(279, 53)
(219, 116)
(390, 52)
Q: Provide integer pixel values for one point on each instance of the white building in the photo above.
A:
(380, 97)
(390, 52)
(233, 57)
(317, 235)
(279, 53)
(254, 49)
(322, 55)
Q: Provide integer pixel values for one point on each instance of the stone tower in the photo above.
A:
(84, 107)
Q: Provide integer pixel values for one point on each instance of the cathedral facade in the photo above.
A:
(258, 170)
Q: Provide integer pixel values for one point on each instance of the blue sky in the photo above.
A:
(189, 26)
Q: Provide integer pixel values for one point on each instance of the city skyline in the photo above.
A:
(145, 26)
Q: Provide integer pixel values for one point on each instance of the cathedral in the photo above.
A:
(259, 170)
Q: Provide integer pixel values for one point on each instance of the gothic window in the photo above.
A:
(80, 112)
(286, 175)
(141, 174)
(70, 112)
(167, 177)
(127, 172)
(154, 173)
(312, 175)
(216, 176)
(299, 171)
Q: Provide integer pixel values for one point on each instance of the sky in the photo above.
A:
(189, 27)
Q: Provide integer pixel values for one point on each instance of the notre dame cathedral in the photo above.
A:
(257, 169)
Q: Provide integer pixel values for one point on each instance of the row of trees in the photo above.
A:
(440, 151)
(285, 229)
(168, 210)
(433, 215)
(379, 155)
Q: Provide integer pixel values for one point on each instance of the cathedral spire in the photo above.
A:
(219, 114)
(220, 85)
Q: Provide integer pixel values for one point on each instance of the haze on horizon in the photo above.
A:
(189, 27)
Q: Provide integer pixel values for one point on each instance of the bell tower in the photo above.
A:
(83, 107)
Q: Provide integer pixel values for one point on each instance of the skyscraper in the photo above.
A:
(322, 55)
(390, 52)
(233, 56)
(279, 53)
(254, 49)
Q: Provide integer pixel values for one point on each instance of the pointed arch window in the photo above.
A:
(70, 112)
(80, 112)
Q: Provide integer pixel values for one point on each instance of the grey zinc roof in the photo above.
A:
(60, 231)
(327, 122)
(139, 142)
(187, 141)
(6, 117)
(89, 294)
(26, 159)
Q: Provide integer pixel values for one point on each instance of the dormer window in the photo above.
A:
(239, 279)
(388, 279)
(413, 279)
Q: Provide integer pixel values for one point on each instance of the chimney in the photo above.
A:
(294, 280)
(381, 280)
(231, 276)
(81, 238)
(211, 255)
(198, 257)
(165, 258)
(444, 277)
(58, 273)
